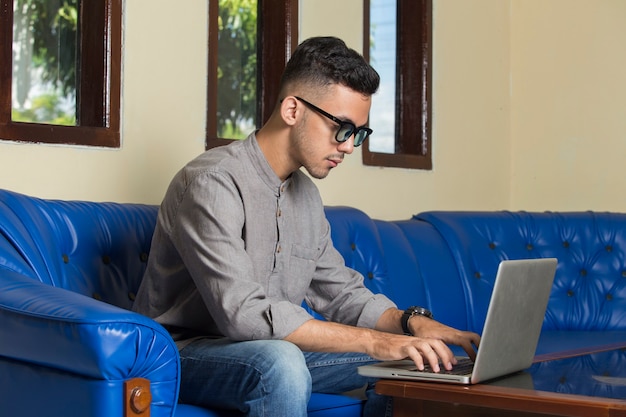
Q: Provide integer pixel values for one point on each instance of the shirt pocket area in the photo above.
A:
(302, 264)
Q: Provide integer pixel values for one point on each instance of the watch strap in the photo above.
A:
(410, 312)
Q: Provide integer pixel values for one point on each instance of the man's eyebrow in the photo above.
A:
(348, 120)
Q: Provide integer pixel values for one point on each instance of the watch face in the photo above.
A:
(422, 312)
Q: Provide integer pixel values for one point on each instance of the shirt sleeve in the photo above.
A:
(339, 294)
(207, 231)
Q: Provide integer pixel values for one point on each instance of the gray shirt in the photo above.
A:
(236, 251)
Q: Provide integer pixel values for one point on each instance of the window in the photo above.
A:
(249, 44)
(60, 71)
(405, 86)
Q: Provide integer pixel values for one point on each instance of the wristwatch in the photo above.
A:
(410, 312)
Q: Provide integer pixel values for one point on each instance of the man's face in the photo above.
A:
(314, 144)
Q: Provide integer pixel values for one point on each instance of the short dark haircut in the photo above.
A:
(323, 61)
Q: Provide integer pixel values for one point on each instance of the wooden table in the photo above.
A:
(417, 399)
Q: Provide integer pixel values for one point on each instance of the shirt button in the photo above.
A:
(278, 248)
(279, 213)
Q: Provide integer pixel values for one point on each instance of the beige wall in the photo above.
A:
(470, 123)
(163, 116)
(569, 104)
(529, 111)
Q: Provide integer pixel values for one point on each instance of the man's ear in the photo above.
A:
(289, 110)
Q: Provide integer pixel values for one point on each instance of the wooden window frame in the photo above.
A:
(413, 136)
(277, 37)
(98, 92)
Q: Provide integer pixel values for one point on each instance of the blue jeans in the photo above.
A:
(270, 378)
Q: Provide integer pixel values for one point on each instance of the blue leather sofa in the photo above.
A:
(69, 270)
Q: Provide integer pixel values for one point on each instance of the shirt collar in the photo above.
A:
(263, 168)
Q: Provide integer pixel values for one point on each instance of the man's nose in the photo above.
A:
(347, 146)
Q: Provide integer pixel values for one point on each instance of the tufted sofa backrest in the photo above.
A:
(96, 249)
(356, 237)
(446, 261)
(425, 273)
(396, 256)
(589, 291)
(100, 249)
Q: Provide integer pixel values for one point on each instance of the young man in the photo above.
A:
(241, 240)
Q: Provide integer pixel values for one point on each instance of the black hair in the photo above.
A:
(322, 61)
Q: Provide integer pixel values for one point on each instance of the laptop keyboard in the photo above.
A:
(463, 367)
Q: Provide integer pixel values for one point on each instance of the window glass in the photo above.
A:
(237, 68)
(45, 57)
(60, 71)
(249, 43)
(383, 58)
(398, 42)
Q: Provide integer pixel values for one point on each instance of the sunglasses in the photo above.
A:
(346, 129)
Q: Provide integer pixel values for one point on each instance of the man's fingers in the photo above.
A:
(470, 345)
(417, 358)
(435, 352)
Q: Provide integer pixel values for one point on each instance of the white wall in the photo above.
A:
(529, 111)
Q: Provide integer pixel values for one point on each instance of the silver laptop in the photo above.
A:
(510, 334)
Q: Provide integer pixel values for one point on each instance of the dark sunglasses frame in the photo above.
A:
(346, 129)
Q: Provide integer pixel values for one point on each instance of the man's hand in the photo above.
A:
(431, 339)
(429, 328)
(388, 346)
(387, 342)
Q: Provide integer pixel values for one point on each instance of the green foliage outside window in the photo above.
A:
(237, 68)
(45, 61)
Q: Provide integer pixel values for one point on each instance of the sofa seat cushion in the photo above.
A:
(329, 405)
(186, 410)
(320, 405)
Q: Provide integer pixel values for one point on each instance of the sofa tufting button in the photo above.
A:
(570, 293)
(609, 248)
(566, 244)
(131, 296)
(143, 256)
(492, 245)
(97, 296)
(477, 275)
(370, 275)
(624, 274)
(583, 272)
(66, 259)
(609, 297)
(353, 246)
(529, 246)
(106, 259)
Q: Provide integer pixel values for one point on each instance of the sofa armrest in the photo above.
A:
(60, 329)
